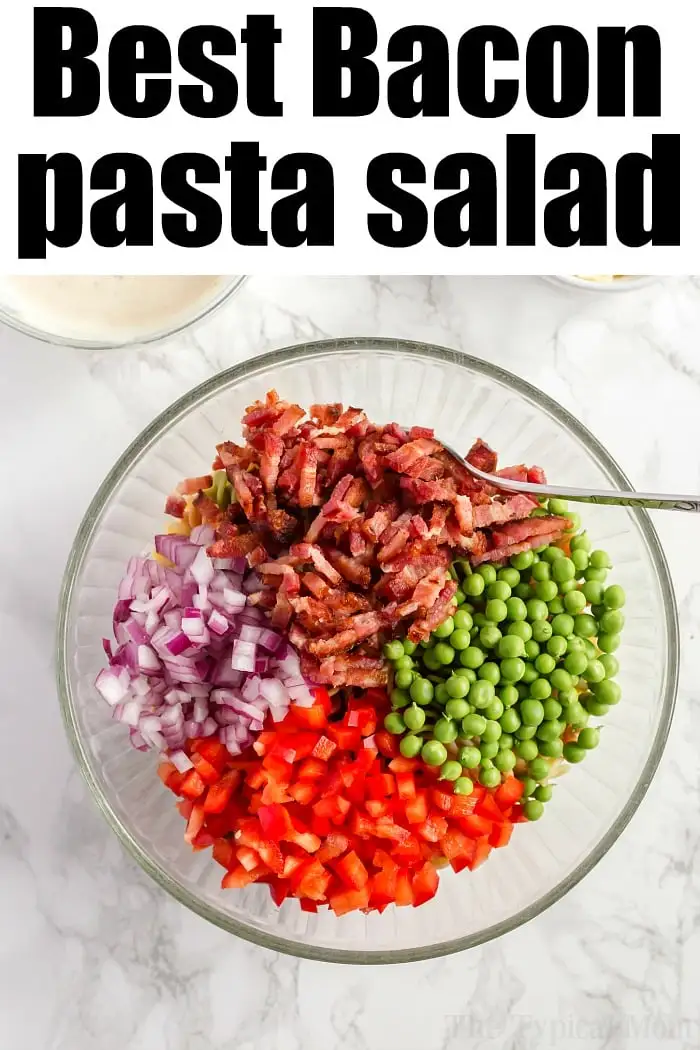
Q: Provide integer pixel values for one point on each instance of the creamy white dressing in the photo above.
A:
(107, 309)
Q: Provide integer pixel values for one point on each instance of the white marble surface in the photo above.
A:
(93, 956)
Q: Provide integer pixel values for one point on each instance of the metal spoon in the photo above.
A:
(648, 500)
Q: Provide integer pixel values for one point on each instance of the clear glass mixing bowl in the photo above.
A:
(461, 397)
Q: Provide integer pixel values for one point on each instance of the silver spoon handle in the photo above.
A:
(647, 500)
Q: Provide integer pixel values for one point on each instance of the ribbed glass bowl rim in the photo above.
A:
(229, 289)
(198, 396)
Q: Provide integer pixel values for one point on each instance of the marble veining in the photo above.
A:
(93, 956)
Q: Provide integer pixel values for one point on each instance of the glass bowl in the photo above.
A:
(461, 397)
(12, 315)
(622, 284)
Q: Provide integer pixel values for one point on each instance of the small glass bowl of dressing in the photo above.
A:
(110, 312)
(604, 283)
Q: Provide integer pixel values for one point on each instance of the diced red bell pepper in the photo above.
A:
(351, 900)
(301, 744)
(379, 807)
(304, 838)
(320, 826)
(310, 717)
(335, 808)
(306, 904)
(311, 880)
(375, 697)
(489, 808)
(381, 785)
(509, 792)
(248, 858)
(404, 765)
(238, 877)
(166, 771)
(212, 750)
(483, 849)
(257, 778)
(275, 791)
(263, 742)
(248, 833)
(404, 889)
(192, 786)
(457, 848)
(387, 743)
(352, 871)
(476, 827)
(312, 769)
(274, 821)
(219, 795)
(304, 791)
(345, 737)
(292, 864)
(335, 845)
(271, 855)
(432, 829)
(280, 890)
(361, 825)
(425, 883)
(407, 852)
(405, 785)
(224, 853)
(202, 840)
(322, 698)
(364, 719)
(195, 823)
(385, 828)
(500, 836)
(323, 748)
(417, 808)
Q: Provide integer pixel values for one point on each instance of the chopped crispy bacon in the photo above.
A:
(419, 527)
(427, 469)
(303, 553)
(326, 415)
(315, 585)
(464, 514)
(395, 545)
(209, 511)
(352, 569)
(517, 531)
(421, 432)
(429, 589)
(357, 543)
(175, 506)
(308, 465)
(498, 513)
(536, 476)
(502, 553)
(231, 543)
(231, 455)
(288, 419)
(241, 487)
(440, 610)
(482, 457)
(270, 460)
(430, 491)
(518, 473)
(411, 453)
(357, 629)
(381, 519)
(190, 486)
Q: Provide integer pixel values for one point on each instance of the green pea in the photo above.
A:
(529, 786)
(498, 591)
(532, 649)
(490, 636)
(568, 697)
(512, 669)
(541, 631)
(463, 786)
(460, 640)
(472, 657)
(434, 753)
(576, 662)
(537, 610)
(607, 692)
(557, 605)
(575, 520)
(474, 585)
(409, 647)
(574, 644)
(481, 693)
(595, 672)
(601, 560)
(445, 730)
(509, 575)
(563, 569)
(489, 750)
(526, 732)
(522, 561)
(393, 650)
(490, 672)
(590, 649)
(490, 778)
(592, 591)
(549, 731)
(504, 760)
(581, 542)
(558, 506)
(506, 741)
(487, 572)
(612, 622)
(480, 620)
(551, 748)
(529, 676)
(573, 753)
(473, 725)
(556, 646)
(494, 710)
(545, 663)
(441, 694)
(444, 653)
(457, 709)
(404, 663)
(430, 662)
(469, 757)
(563, 625)
(614, 597)
(491, 733)
(410, 746)
(466, 673)
(543, 793)
(610, 663)
(595, 575)
(552, 554)
(595, 708)
(609, 643)
(510, 647)
(546, 591)
(538, 769)
(588, 739)
(585, 626)
(560, 680)
(496, 610)
(580, 560)
(531, 712)
(422, 691)
(414, 717)
(487, 763)
(527, 750)
(520, 629)
(575, 602)
(522, 591)
(399, 698)
(457, 688)
(403, 679)
(552, 710)
(462, 621)
(507, 694)
(540, 689)
(394, 723)
(541, 572)
(445, 629)
(516, 609)
(450, 770)
(510, 720)
(577, 715)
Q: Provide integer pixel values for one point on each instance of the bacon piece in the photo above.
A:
(209, 511)
(429, 588)
(261, 413)
(400, 585)
(231, 455)
(363, 672)
(312, 614)
(438, 520)
(502, 553)
(374, 526)
(357, 543)
(326, 415)
(257, 556)
(175, 506)
(518, 473)
(395, 545)
(536, 476)
(232, 543)
(513, 509)
(190, 486)
(242, 489)
(441, 609)
(351, 417)
(281, 524)
(289, 579)
(419, 527)
(315, 585)
(411, 453)
(394, 430)
(464, 514)
(288, 420)
(421, 432)
(427, 469)
(352, 569)
(482, 457)
(308, 465)
(369, 459)
(273, 448)
(430, 491)
(517, 531)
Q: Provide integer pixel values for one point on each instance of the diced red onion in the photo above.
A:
(202, 535)
(202, 569)
(113, 685)
(243, 656)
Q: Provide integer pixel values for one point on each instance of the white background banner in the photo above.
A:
(349, 144)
